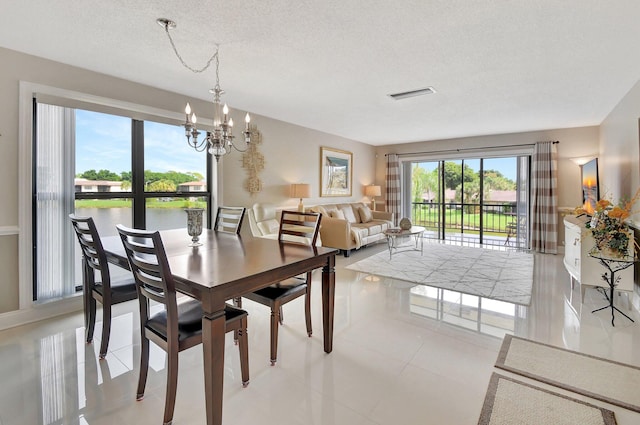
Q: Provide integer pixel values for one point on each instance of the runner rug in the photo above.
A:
(500, 275)
(509, 401)
(598, 378)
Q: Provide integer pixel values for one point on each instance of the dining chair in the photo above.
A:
(295, 227)
(229, 219)
(105, 291)
(179, 325)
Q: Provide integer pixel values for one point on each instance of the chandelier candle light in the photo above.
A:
(219, 141)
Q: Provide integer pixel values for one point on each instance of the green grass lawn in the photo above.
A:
(454, 219)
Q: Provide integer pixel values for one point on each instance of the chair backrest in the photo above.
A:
(301, 227)
(150, 268)
(91, 246)
(229, 219)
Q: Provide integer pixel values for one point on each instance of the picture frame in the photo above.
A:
(336, 172)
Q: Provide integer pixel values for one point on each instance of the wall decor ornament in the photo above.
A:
(253, 162)
(336, 172)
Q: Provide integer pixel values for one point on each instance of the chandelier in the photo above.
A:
(219, 141)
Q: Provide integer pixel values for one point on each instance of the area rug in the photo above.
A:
(509, 401)
(500, 275)
(598, 378)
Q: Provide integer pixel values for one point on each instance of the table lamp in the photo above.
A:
(300, 190)
(372, 191)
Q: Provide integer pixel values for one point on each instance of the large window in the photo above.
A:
(470, 200)
(113, 168)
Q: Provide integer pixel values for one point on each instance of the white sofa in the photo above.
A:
(345, 233)
(351, 225)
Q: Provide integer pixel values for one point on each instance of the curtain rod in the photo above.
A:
(470, 149)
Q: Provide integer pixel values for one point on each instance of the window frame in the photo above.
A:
(29, 93)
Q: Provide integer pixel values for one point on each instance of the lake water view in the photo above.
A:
(107, 218)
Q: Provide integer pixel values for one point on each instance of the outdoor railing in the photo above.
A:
(497, 218)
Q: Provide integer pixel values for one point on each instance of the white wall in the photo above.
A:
(620, 152)
(619, 147)
(292, 153)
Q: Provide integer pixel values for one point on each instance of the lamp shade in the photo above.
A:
(300, 190)
(372, 191)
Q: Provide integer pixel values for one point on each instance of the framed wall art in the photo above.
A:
(336, 172)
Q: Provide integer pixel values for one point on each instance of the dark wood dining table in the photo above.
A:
(225, 266)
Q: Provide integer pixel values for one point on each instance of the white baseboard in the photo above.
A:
(40, 312)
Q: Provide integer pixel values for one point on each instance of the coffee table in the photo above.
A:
(395, 237)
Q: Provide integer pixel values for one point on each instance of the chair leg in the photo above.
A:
(106, 328)
(281, 320)
(244, 352)
(307, 305)
(237, 302)
(172, 386)
(91, 318)
(275, 320)
(144, 366)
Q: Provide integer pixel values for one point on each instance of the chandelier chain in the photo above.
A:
(186, 65)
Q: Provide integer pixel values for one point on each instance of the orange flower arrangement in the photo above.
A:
(609, 228)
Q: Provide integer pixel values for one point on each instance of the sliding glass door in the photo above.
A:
(472, 200)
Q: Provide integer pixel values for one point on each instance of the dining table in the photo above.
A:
(224, 267)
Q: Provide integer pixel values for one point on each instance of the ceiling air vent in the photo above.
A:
(412, 93)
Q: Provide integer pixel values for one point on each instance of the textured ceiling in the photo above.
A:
(498, 66)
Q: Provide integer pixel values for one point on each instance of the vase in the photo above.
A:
(405, 224)
(194, 224)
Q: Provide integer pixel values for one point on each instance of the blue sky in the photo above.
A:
(103, 142)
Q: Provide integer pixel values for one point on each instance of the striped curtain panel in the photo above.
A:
(544, 194)
(393, 186)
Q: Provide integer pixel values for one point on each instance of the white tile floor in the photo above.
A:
(400, 357)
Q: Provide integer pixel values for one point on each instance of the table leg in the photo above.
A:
(213, 331)
(328, 298)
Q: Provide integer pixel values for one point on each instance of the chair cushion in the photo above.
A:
(282, 289)
(118, 287)
(189, 319)
(268, 227)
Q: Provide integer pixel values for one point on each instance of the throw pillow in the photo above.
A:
(365, 214)
(349, 215)
(337, 214)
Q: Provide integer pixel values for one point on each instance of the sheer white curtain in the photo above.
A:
(54, 197)
(544, 198)
(393, 186)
